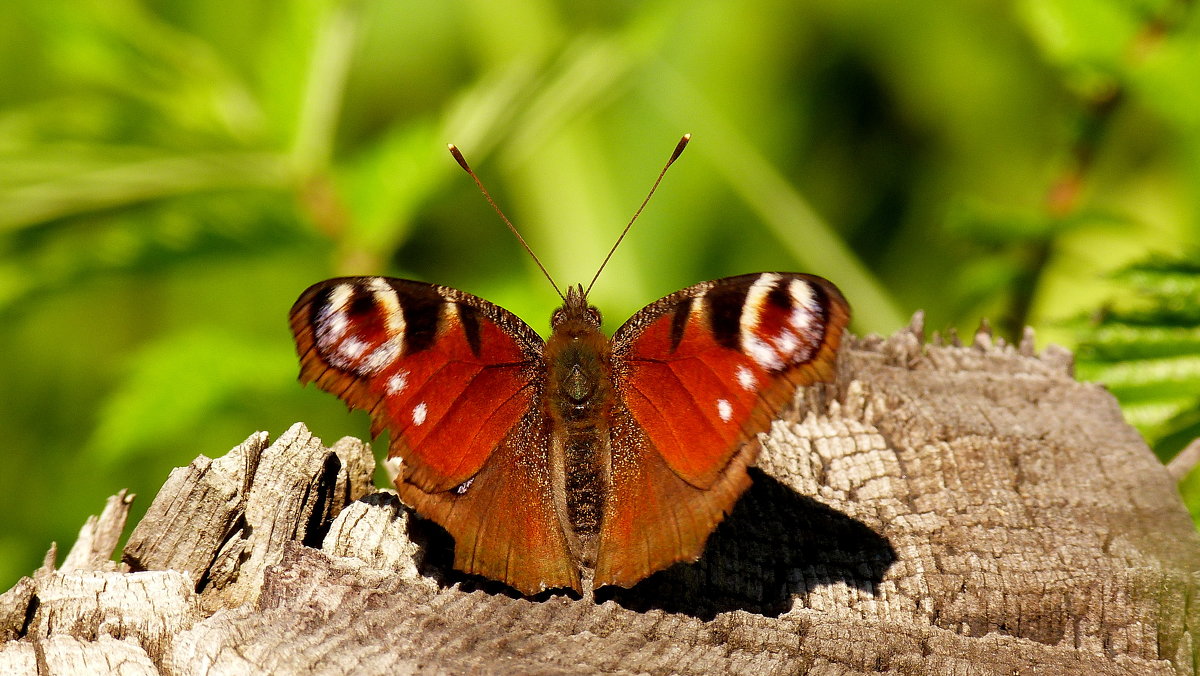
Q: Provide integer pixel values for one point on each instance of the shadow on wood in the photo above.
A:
(776, 544)
(792, 544)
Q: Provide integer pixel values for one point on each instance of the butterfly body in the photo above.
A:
(578, 401)
(544, 457)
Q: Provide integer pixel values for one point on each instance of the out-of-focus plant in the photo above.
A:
(1119, 62)
(173, 173)
(1145, 347)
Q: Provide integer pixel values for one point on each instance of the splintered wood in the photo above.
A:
(940, 509)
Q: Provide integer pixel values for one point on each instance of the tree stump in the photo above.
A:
(939, 509)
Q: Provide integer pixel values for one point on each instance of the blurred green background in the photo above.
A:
(174, 172)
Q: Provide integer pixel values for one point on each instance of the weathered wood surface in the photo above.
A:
(941, 509)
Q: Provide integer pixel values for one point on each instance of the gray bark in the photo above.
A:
(939, 509)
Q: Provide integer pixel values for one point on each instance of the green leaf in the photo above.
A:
(176, 383)
(1087, 39)
(993, 225)
(1136, 379)
(1189, 489)
(1118, 341)
(384, 185)
(1145, 347)
(1166, 78)
(138, 239)
(83, 184)
(121, 47)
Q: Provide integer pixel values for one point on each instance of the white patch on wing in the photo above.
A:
(725, 410)
(746, 379)
(397, 383)
(697, 309)
(381, 357)
(419, 413)
(764, 355)
(786, 343)
(802, 304)
(348, 352)
(331, 318)
(393, 315)
(752, 306)
(340, 297)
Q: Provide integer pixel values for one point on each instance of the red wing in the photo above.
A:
(653, 518)
(451, 377)
(698, 375)
(448, 374)
(503, 521)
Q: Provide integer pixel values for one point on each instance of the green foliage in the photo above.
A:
(206, 371)
(174, 172)
(1145, 346)
(1189, 487)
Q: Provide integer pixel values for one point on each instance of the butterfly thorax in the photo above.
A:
(579, 397)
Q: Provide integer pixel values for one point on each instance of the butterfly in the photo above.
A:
(542, 458)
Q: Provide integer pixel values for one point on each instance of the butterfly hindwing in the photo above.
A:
(456, 381)
(698, 375)
(503, 521)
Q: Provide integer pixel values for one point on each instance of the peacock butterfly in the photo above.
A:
(542, 457)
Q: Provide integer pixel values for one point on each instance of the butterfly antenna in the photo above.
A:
(462, 162)
(674, 156)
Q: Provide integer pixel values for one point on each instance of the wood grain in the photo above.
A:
(940, 509)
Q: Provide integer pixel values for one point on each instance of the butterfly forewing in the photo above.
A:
(455, 380)
(698, 375)
(428, 363)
